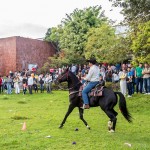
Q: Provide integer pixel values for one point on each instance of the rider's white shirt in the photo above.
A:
(93, 74)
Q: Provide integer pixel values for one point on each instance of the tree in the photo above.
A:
(106, 46)
(71, 35)
(137, 16)
(135, 11)
(100, 41)
(141, 43)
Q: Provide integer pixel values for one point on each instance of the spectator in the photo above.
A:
(101, 81)
(48, 81)
(146, 78)
(0, 84)
(74, 69)
(109, 74)
(35, 87)
(118, 67)
(129, 82)
(115, 77)
(133, 78)
(16, 84)
(83, 71)
(9, 84)
(30, 83)
(41, 81)
(3, 83)
(24, 83)
(123, 83)
(139, 79)
(102, 73)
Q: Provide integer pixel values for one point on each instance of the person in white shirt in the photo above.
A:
(16, 84)
(123, 82)
(73, 69)
(30, 83)
(48, 81)
(93, 78)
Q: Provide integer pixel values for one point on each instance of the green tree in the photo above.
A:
(135, 11)
(71, 35)
(137, 16)
(106, 46)
(141, 43)
(100, 42)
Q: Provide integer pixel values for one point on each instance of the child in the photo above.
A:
(35, 87)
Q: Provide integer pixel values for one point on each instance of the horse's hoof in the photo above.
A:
(60, 127)
(109, 125)
(88, 127)
(111, 131)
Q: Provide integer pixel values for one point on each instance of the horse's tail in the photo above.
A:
(123, 107)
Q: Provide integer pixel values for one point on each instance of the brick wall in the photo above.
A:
(17, 52)
(31, 51)
(7, 55)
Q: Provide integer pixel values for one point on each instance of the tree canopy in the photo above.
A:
(141, 43)
(134, 11)
(87, 33)
(137, 17)
(82, 34)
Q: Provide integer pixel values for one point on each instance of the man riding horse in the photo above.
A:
(93, 78)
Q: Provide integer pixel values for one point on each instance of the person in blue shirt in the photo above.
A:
(129, 81)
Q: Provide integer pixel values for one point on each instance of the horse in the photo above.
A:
(106, 102)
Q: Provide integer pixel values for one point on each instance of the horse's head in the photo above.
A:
(63, 77)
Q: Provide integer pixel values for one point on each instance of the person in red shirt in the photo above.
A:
(0, 84)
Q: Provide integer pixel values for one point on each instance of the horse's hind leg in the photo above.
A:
(70, 109)
(81, 111)
(112, 123)
(114, 112)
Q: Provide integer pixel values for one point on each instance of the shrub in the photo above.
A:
(112, 85)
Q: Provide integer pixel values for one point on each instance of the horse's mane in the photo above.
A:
(74, 79)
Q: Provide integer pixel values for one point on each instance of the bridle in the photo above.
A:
(67, 75)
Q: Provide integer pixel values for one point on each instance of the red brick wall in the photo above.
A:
(31, 51)
(17, 52)
(7, 55)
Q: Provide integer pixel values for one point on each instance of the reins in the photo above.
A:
(67, 75)
(74, 86)
(64, 75)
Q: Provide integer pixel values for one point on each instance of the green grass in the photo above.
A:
(43, 114)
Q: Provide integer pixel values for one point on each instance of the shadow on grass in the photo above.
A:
(22, 102)
(5, 97)
(17, 117)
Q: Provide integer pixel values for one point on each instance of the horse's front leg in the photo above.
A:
(81, 111)
(70, 109)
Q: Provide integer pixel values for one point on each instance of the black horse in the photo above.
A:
(106, 102)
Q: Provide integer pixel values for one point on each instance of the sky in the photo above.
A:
(32, 18)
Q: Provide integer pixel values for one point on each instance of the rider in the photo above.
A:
(93, 78)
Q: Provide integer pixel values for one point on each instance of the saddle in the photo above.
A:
(96, 91)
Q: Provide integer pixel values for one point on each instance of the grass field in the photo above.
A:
(43, 113)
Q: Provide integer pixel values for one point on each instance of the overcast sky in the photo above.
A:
(32, 18)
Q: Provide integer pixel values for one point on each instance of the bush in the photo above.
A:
(112, 85)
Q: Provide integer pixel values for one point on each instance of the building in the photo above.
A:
(18, 53)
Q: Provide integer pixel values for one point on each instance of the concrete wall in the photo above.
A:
(17, 52)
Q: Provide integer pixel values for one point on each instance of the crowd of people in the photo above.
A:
(130, 79)
(25, 81)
